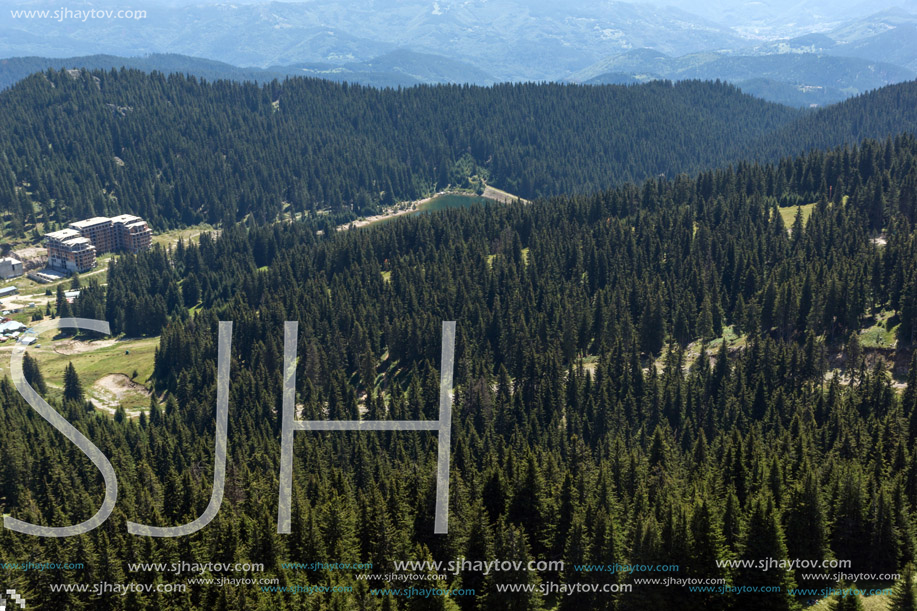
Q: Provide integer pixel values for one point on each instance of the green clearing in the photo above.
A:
(525, 257)
(789, 214)
(170, 238)
(730, 337)
(93, 362)
(880, 335)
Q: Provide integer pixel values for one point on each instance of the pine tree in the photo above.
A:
(527, 506)
(577, 552)
(904, 596)
(62, 306)
(32, 374)
(806, 526)
(732, 522)
(479, 548)
(851, 527)
(430, 603)
(707, 549)
(845, 599)
(885, 542)
(510, 544)
(764, 540)
(652, 328)
(73, 389)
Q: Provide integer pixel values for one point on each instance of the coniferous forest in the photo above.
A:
(180, 151)
(647, 372)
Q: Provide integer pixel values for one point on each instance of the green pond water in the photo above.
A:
(444, 202)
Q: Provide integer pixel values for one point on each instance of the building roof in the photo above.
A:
(63, 234)
(96, 220)
(125, 218)
(8, 290)
(10, 260)
(11, 326)
(72, 243)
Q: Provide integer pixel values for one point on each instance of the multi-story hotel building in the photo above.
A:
(74, 249)
(70, 251)
(98, 230)
(131, 233)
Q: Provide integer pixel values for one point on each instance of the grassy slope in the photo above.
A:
(95, 364)
(789, 214)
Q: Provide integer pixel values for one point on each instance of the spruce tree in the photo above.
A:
(764, 540)
(806, 526)
(845, 599)
(73, 388)
(904, 597)
(32, 374)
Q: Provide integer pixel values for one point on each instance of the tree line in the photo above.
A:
(178, 151)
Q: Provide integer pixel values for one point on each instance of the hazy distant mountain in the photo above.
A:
(873, 24)
(787, 18)
(898, 46)
(14, 69)
(510, 40)
(400, 67)
(397, 68)
(791, 95)
(613, 78)
(890, 36)
(799, 79)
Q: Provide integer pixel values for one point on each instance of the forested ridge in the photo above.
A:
(179, 151)
(592, 422)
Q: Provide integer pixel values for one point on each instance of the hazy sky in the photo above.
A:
(710, 8)
(741, 14)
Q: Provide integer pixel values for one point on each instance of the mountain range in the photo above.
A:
(797, 79)
(387, 43)
(395, 68)
(512, 40)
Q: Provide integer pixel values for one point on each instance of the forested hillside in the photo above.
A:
(593, 421)
(179, 151)
(14, 69)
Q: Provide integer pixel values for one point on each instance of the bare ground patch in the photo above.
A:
(501, 196)
(111, 390)
(77, 346)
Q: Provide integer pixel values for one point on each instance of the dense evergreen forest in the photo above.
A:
(177, 150)
(600, 416)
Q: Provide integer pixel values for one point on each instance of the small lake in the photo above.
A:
(442, 202)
